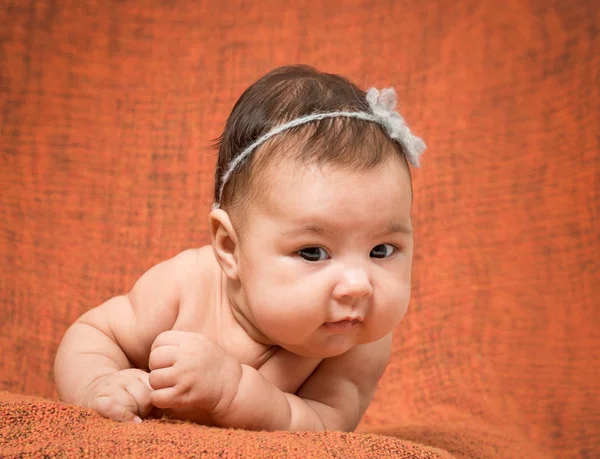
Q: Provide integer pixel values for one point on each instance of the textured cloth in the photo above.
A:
(107, 114)
(34, 427)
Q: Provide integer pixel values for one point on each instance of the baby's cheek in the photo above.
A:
(284, 270)
(393, 307)
(287, 308)
(288, 315)
(404, 299)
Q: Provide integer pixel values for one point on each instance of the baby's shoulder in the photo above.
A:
(194, 263)
(194, 258)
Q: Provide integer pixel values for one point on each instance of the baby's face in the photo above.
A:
(326, 254)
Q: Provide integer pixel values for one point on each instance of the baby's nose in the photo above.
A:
(354, 283)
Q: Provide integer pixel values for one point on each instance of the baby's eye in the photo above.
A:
(313, 253)
(382, 251)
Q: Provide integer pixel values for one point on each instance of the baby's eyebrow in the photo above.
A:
(398, 228)
(319, 231)
(314, 229)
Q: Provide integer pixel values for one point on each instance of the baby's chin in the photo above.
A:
(316, 353)
(320, 351)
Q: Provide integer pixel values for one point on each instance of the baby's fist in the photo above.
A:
(189, 370)
(123, 396)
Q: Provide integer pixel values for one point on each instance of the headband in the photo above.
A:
(383, 112)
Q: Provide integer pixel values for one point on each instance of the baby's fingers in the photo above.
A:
(139, 390)
(110, 408)
(166, 398)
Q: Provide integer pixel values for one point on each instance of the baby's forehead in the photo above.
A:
(290, 191)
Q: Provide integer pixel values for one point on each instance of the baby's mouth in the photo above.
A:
(341, 325)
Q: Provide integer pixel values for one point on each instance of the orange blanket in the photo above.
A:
(107, 114)
(33, 427)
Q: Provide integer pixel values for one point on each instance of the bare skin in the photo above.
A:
(254, 331)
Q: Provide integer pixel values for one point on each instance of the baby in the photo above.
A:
(285, 321)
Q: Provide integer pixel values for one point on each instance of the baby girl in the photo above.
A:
(285, 321)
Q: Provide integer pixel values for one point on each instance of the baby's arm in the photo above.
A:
(335, 396)
(118, 335)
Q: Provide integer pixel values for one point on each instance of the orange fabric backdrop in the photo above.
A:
(108, 111)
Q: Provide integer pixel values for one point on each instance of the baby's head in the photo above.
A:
(312, 223)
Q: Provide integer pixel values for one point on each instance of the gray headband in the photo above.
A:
(383, 112)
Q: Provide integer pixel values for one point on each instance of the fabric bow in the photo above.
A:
(383, 107)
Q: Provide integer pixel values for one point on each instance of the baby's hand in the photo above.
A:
(123, 396)
(189, 370)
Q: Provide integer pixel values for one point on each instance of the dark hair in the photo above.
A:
(287, 93)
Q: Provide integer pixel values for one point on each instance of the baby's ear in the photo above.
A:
(224, 241)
